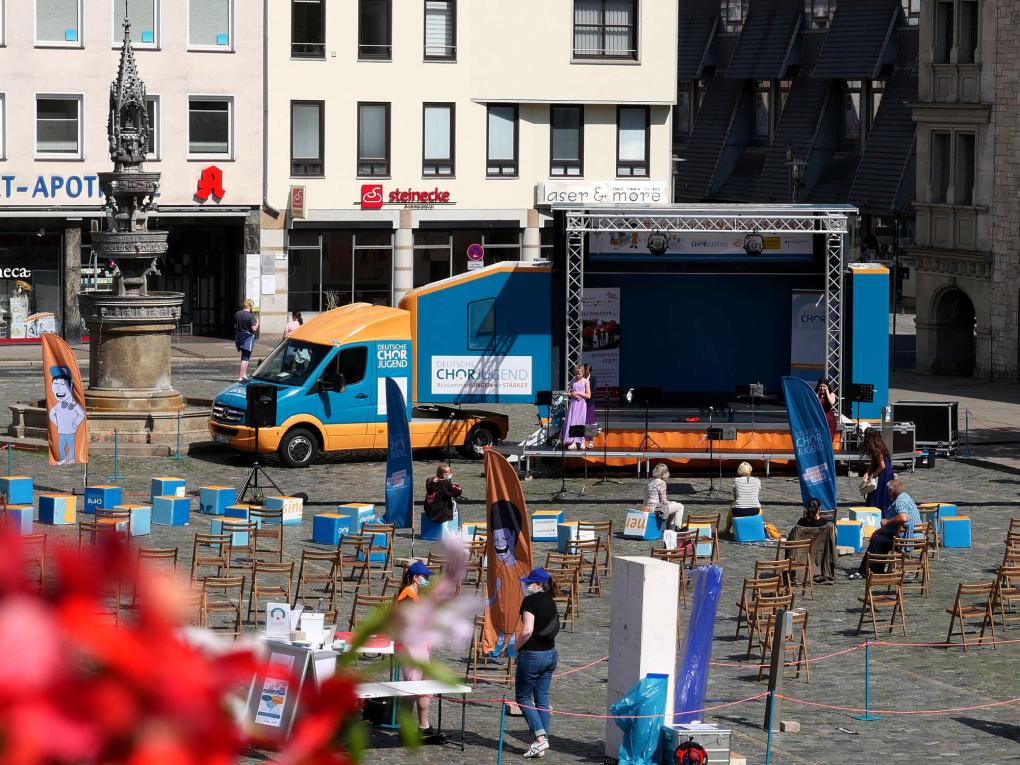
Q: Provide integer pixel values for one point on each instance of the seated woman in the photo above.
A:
(656, 500)
(811, 517)
(745, 496)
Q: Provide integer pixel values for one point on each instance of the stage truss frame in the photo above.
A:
(832, 223)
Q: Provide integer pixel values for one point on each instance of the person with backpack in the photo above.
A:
(536, 656)
(441, 495)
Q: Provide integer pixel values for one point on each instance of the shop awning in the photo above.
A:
(860, 40)
(766, 44)
(698, 21)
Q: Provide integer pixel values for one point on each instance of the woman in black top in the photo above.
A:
(811, 517)
(441, 495)
(536, 657)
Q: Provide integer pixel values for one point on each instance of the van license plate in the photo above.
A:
(221, 438)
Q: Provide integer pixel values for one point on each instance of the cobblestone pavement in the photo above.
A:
(902, 678)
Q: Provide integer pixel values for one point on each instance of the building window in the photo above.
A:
(152, 110)
(441, 253)
(818, 13)
(3, 126)
(210, 23)
(733, 13)
(375, 30)
(963, 182)
(605, 29)
(566, 137)
(306, 138)
(877, 91)
(209, 127)
(144, 21)
(438, 142)
(307, 28)
(373, 140)
(941, 162)
(3, 27)
(966, 44)
(632, 129)
(852, 112)
(501, 141)
(912, 11)
(943, 31)
(441, 30)
(761, 118)
(58, 22)
(327, 269)
(683, 112)
(58, 126)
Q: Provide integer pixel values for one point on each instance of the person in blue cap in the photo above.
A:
(66, 414)
(416, 579)
(536, 656)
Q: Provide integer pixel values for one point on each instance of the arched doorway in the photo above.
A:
(954, 340)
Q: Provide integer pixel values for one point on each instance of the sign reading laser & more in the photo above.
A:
(482, 375)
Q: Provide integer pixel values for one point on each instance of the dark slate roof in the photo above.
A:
(766, 40)
(797, 127)
(857, 43)
(697, 28)
(739, 187)
(711, 130)
(884, 181)
(834, 185)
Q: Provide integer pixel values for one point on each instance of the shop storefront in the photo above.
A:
(328, 268)
(440, 253)
(31, 300)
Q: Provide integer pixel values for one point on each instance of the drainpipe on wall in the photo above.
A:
(265, 112)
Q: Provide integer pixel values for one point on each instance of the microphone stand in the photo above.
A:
(563, 490)
(711, 454)
(605, 451)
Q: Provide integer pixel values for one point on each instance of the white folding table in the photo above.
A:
(408, 688)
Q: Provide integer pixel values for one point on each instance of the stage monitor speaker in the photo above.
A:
(715, 434)
(577, 431)
(261, 405)
(544, 398)
(647, 395)
(752, 391)
(860, 393)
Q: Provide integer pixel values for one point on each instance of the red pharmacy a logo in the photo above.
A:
(210, 183)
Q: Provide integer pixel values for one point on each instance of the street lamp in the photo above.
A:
(796, 173)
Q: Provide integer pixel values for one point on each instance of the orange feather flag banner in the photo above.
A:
(508, 552)
(67, 426)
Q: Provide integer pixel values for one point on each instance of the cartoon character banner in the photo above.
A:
(600, 321)
(508, 551)
(68, 427)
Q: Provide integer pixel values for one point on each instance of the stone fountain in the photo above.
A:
(130, 327)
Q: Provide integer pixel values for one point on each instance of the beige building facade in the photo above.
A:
(201, 61)
(968, 250)
(413, 140)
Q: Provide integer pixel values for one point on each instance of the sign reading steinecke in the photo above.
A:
(374, 197)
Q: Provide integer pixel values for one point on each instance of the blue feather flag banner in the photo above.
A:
(812, 443)
(399, 479)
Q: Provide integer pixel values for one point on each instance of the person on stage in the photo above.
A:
(577, 408)
(828, 401)
(590, 416)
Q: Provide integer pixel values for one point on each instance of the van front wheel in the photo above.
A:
(299, 448)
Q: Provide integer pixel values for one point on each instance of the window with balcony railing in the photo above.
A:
(605, 29)
(375, 30)
(308, 29)
(440, 30)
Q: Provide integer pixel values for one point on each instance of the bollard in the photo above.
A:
(768, 739)
(966, 432)
(116, 457)
(178, 457)
(502, 722)
(867, 716)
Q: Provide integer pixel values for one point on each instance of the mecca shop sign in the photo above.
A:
(374, 197)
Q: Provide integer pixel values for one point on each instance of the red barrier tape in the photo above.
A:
(754, 664)
(952, 710)
(578, 669)
(986, 643)
(604, 717)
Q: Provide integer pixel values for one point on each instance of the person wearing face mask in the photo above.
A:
(441, 495)
(536, 656)
(416, 579)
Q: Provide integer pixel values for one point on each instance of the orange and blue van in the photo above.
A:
(477, 338)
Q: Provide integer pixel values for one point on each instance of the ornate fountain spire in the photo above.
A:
(128, 124)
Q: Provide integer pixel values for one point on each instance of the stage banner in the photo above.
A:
(399, 482)
(68, 428)
(807, 335)
(812, 443)
(698, 247)
(508, 552)
(600, 321)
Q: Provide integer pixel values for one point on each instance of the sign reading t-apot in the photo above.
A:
(482, 375)
(585, 193)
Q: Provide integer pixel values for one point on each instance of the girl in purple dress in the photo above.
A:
(577, 408)
(590, 414)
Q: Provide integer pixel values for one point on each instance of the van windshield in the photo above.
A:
(291, 363)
